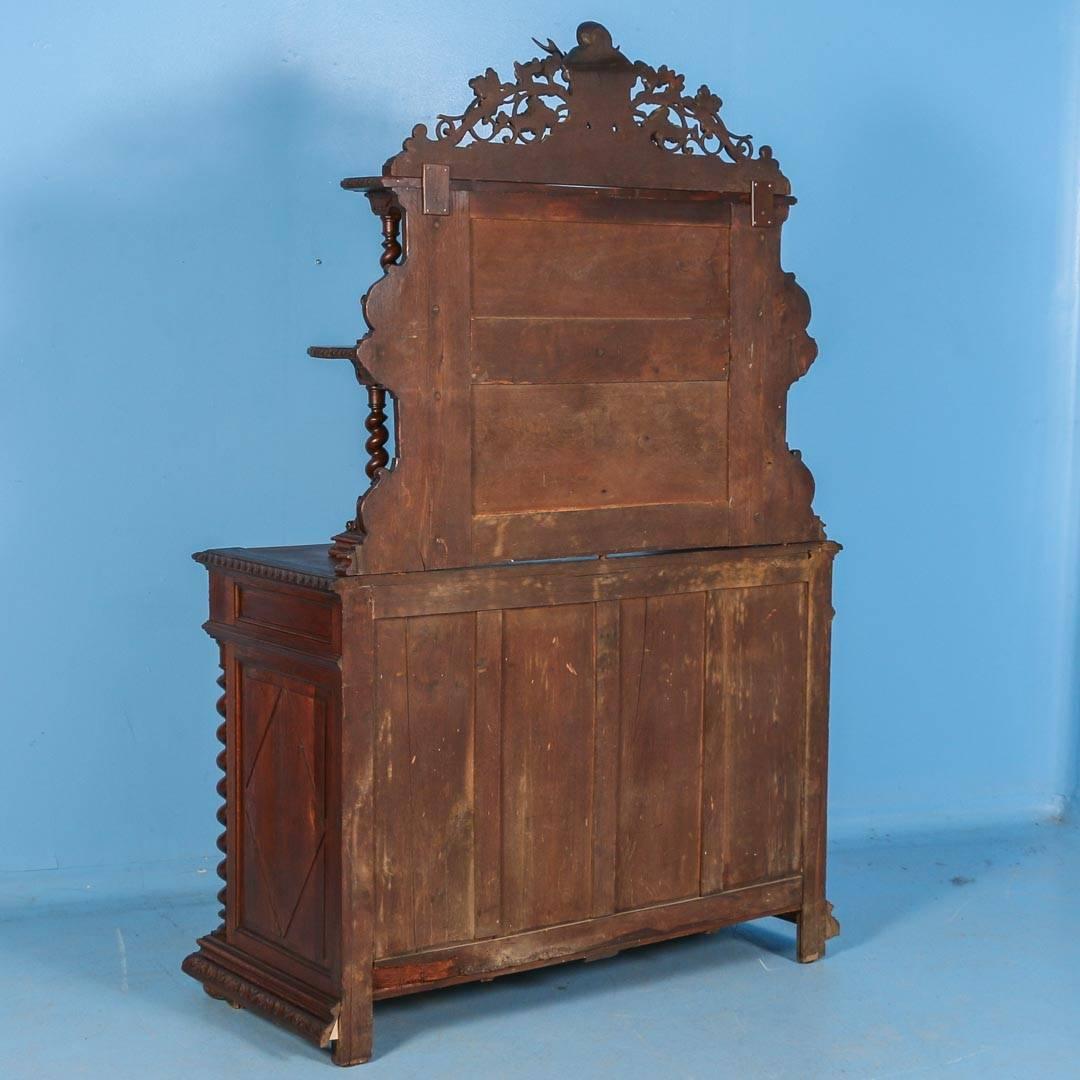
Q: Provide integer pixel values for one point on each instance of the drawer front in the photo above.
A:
(289, 615)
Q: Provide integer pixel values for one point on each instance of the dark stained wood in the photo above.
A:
(560, 686)
(555, 342)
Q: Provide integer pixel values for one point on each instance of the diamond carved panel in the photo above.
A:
(284, 799)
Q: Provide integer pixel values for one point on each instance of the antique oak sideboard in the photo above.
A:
(560, 686)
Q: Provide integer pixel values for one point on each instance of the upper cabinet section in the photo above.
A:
(583, 332)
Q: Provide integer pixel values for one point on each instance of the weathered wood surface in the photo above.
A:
(581, 369)
(445, 761)
(509, 766)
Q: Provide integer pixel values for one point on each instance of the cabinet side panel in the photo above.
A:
(424, 782)
(659, 815)
(282, 806)
(548, 694)
(756, 773)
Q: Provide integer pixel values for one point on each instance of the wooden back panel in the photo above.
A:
(578, 368)
(572, 741)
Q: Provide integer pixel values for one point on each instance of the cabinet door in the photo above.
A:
(282, 848)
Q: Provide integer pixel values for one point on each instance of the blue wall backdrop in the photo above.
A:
(174, 237)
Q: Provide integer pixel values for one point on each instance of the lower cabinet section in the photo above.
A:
(503, 767)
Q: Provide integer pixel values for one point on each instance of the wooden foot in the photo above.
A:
(352, 1037)
(815, 924)
(352, 1051)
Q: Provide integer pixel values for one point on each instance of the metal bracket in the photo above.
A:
(762, 204)
(435, 186)
(766, 206)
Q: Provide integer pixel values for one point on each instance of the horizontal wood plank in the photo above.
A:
(587, 446)
(624, 206)
(589, 580)
(547, 350)
(598, 269)
(520, 952)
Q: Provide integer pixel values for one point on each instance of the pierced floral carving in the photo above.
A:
(522, 111)
(543, 98)
(675, 121)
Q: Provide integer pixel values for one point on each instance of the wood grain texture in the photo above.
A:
(487, 774)
(659, 825)
(353, 801)
(562, 764)
(586, 446)
(548, 717)
(539, 351)
(447, 758)
(424, 782)
(589, 937)
(592, 269)
(763, 642)
(280, 794)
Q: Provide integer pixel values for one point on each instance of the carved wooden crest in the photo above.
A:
(584, 332)
(589, 112)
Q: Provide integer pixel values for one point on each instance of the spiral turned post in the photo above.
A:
(391, 246)
(222, 790)
(377, 432)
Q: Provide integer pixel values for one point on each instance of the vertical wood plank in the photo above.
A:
(440, 771)
(605, 758)
(713, 771)
(487, 773)
(548, 704)
(393, 872)
(764, 632)
(446, 527)
(814, 918)
(662, 667)
(356, 787)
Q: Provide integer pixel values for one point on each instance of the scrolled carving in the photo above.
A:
(560, 91)
(675, 121)
(522, 111)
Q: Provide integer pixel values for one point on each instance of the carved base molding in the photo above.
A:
(232, 977)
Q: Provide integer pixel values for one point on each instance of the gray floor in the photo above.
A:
(959, 958)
